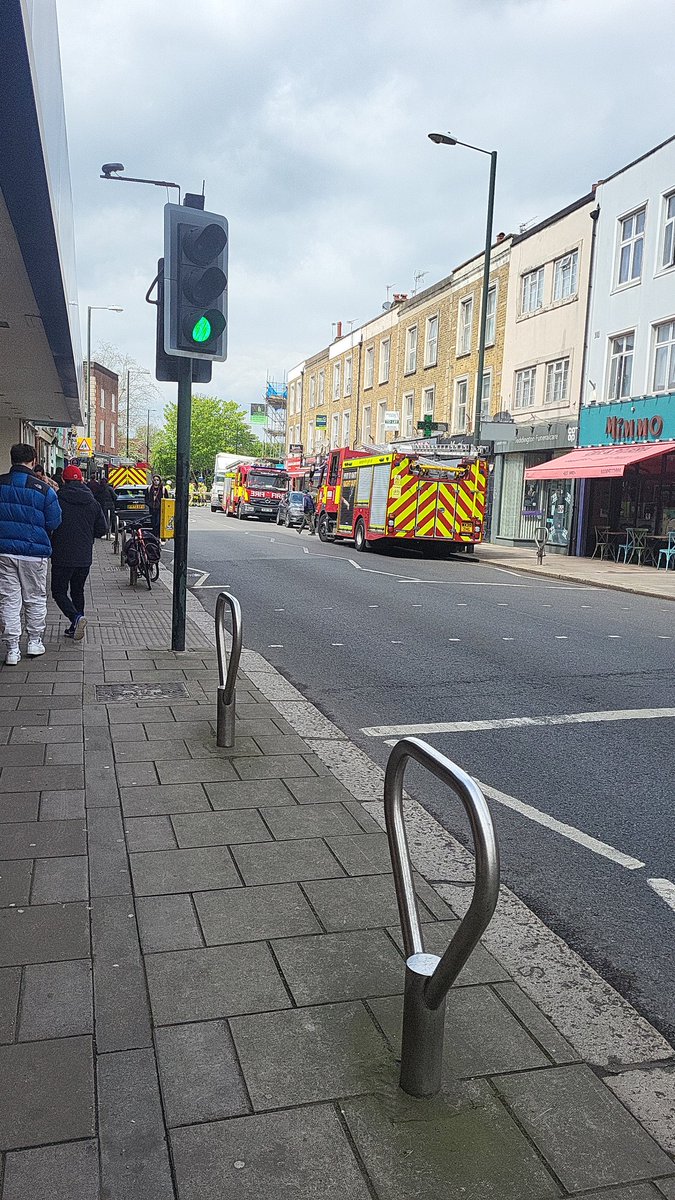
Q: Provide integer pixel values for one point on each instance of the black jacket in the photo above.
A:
(83, 520)
(106, 495)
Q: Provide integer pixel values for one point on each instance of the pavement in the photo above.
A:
(201, 967)
(605, 573)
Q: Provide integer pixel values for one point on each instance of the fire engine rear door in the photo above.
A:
(425, 521)
(446, 510)
(346, 509)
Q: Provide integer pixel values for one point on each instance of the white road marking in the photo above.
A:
(202, 579)
(355, 564)
(505, 639)
(665, 889)
(462, 604)
(274, 646)
(502, 604)
(664, 637)
(503, 571)
(583, 718)
(613, 635)
(394, 642)
(305, 550)
(417, 605)
(453, 639)
(280, 610)
(373, 606)
(561, 637)
(337, 643)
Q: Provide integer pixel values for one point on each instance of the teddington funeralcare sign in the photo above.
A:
(646, 419)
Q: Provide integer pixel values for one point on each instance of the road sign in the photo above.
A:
(258, 414)
(84, 447)
(321, 421)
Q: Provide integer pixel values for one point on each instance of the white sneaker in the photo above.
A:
(13, 656)
(35, 647)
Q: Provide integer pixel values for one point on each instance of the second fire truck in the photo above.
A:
(254, 490)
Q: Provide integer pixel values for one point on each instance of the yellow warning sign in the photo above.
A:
(166, 521)
(84, 447)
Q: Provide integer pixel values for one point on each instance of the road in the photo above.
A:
(385, 646)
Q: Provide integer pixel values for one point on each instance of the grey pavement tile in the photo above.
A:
(160, 872)
(666, 1188)
(256, 793)
(43, 933)
(167, 923)
(15, 877)
(581, 1129)
(19, 806)
(69, 754)
(56, 1000)
(279, 743)
(58, 880)
(129, 733)
(18, 689)
(47, 1092)
(255, 914)
(303, 1153)
(108, 867)
(310, 820)
(22, 755)
(555, 1045)
(461, 1145)
(39, 779)
(47, 733)
(205, 747)
(149, 833)
(67, 688)
(304, 1055)
(199, 1073)
(363, 854)
(202, 770)
(284, 862)
(340, 966)
(66, 716)
(48, 702)
(43, 839)
(219, 981)
(120, 995)
(146, 714)
(62, 806)
(144, 751)
(318, 791)
(136, 774)
(10, 986)
(9, 719)
(638, 1191)
(481, 967)
(481, 1036)
(158, 801)
(134, 1153)
(188, 729)
(256, 727)
(274, 766)
(317, 765)
(100, 780)
(9, 703)
(68, 1171)
(220, 829)
(357, 902)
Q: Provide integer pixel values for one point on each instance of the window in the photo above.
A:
(556, 381)
(408, 413)
(486, 395)
(465, 326)
(113, 399)
(411, 350)
(525, 388)
(532, 295)
(620, 365)
(335, 431)
(664, 358)
(490, 316)
(385, 355)
(565, 272)
(381, 431)
(348, 376)
(461, 399)
(310, 432)
(102, 398)
(369, 368)
(668, 243)
(631, 246)
(346, 424)
(291, 398)
(336, 381)
(431, 343)
(101, 432)
(312, 391)
(365, 437)
(428, 396)
(298, 396)
(322, 388)
(112, 437)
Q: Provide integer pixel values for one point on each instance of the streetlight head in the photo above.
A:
(115, 308)
(442, 139)
(109, 169)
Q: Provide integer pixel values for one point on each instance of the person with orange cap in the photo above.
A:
(72, 548)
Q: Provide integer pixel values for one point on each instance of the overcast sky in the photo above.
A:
(308, 122)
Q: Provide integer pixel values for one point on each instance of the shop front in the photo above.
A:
(625, 473)
(523, 505)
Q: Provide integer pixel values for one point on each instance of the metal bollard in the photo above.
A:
(227, 671)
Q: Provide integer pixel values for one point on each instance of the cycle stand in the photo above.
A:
(540, 541)
(227, 671)
(428, 977)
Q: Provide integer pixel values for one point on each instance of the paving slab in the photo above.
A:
(199, 1073)
(161, 872)
(56, 1000)
(580, 1129)
(158, 801)
(62, 806)
(311, 820)
(274, 766)
(363, 853)
(15, 880)
(65, 1172)
(202, 770)
(340, 966)
(255, 913)
(283, 862)
(58, 880)
(37, 839)
(168, 923)
(265, 793)
(47, 1092)
(219, 981)
(650, 1096)
(553, 1043)
(145, 751)
(220, 829)
(38, 779)
(305, 1055)
(10, 986)
(482, 966)
(365, 902)
(134, 1153)
(120, 996)
(22, 755)
(43, 933)
(303, 1153)
(149, 833)
(319, 791)
(19, 806)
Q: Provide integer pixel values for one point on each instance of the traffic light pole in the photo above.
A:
(180, 558)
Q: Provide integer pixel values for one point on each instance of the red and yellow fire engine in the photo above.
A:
(254, 490)
(433, 501)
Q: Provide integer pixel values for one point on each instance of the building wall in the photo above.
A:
(430, 372)
(467, 281)
(105, 432)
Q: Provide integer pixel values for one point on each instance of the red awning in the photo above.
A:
(600, 462)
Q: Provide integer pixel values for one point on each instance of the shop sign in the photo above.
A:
(295, 448)
(321, 421)
(544, 435)
(645, 419)
(392, 420)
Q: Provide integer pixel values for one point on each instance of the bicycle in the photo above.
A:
(141, 553)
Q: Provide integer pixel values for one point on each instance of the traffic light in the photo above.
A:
(167, 365)
(195, 283)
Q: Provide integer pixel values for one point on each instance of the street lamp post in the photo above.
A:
(446, 139)
(90, 309)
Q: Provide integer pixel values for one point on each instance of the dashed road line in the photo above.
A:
(665, 889)
(582, 718)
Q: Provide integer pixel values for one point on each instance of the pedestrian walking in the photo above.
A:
(42, 474)
(29, 512)
(308, 514)
(72, 548)
(107, 497)
(153, 498)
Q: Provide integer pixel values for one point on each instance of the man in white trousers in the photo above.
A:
(29, 511)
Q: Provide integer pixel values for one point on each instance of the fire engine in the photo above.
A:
(432, 501)
(254, 489)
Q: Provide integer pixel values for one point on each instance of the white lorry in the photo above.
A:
(224, 463)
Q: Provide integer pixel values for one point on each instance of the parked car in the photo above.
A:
(131, 505)
(290, 509)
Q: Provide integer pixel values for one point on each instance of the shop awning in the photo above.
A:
(598, 462)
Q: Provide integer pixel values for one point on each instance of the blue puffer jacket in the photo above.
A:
(29, 511)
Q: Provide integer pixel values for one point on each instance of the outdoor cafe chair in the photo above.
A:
(602, 542)
(668, 551)
(634, 545)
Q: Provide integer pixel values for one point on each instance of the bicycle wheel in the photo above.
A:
(144, 565)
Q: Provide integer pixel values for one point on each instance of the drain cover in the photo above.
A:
(140, 691)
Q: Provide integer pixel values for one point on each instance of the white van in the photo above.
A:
(224, 463)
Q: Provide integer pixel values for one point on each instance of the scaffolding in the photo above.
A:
(276, 401)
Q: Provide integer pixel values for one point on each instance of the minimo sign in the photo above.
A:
(639, 421)
(621, 429)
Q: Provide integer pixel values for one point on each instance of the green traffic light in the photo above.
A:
(201, 331)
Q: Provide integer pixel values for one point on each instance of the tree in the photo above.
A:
(217, 425)
(144, 393)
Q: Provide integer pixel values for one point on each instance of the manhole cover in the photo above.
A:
(140, 691)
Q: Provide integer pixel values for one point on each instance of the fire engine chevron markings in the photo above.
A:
(583, 718)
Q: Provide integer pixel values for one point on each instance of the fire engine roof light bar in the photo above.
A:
(428, 977)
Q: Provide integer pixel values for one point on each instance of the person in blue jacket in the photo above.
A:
(29, 512)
